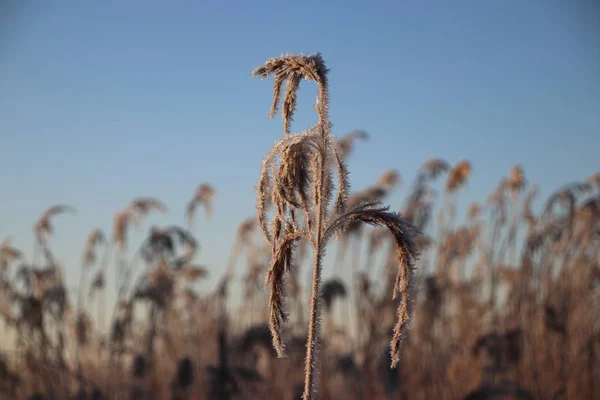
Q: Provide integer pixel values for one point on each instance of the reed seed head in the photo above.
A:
(292, 69)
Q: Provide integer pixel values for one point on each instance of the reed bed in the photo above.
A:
(420, 302)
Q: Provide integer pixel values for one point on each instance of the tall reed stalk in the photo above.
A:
(297, 177)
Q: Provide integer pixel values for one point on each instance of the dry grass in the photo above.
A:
(505, 301)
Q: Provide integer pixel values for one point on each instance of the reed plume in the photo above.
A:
(458, 176)
(95, 239)
(121, 221)
(204, 196)
(432, 168)
(8, 254)
(133, 213)
(346, 141)
(143, 205)
(293, 68)
(332, 289)
(302, 181)
(516, 179)
(43, 227)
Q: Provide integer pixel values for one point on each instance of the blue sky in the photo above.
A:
(101, 102)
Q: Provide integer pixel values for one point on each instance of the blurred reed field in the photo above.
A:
(423, 303)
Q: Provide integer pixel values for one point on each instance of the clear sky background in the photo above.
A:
(101, 102)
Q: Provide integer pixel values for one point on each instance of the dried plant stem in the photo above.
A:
(314, 327)
(80, 289)
(356, 291)
(35, 251)
(80, 308)
(102, 300)
(310, 377)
